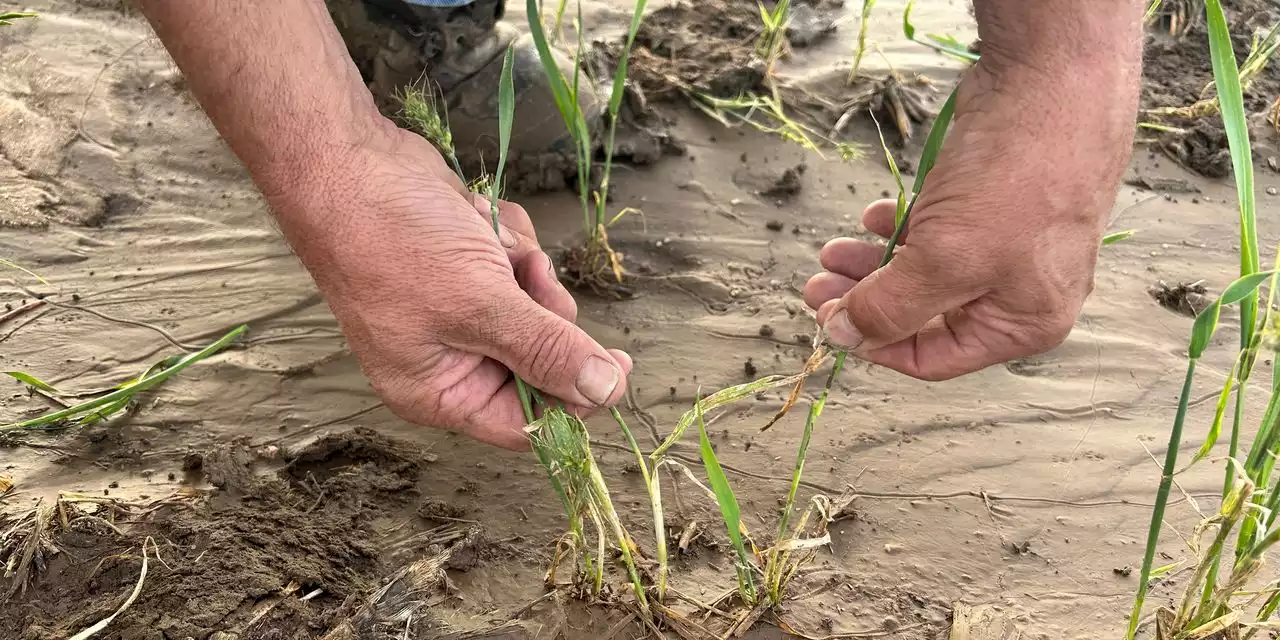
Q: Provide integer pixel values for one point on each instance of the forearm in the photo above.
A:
(1088, 40)
(275, 79)
(1066, 74)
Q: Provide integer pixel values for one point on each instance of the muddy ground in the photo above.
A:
(274, 497)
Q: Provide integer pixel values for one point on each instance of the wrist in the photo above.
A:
(1079, 50)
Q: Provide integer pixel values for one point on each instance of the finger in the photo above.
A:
(487, 407)
(851, 258)
(948, 346)
(549, 352)
(624, 360)
(880, 218)
(826, 286)
(510, 215)
(536, 274)
(894, 303)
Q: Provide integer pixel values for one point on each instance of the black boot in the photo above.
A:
(459, 50)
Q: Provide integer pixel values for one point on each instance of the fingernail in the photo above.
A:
(597, 380)
(507, 239)
(841, 331)
(551, 268)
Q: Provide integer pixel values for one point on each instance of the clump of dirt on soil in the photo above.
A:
(240, 559)
(1187, 299)
(788, 184)
(709, 47)
(1177, 69)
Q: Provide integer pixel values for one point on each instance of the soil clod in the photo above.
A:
(1188, 299)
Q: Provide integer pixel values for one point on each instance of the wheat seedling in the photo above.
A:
(1213, 603)
(596, 258)
(861, 49)
(106, 403)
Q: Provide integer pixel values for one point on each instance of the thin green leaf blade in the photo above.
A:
(1206, 322)
(942, 44)
(908, 29)
(139, 386)
(14, 265)
(933, 143)
(1215, 428)
(620, 75)
(718, 399)
(1226, 76)
(559, 88)
(33, 381)
(1117, 236)
(506, 113)
(729, 508)
(7, 17)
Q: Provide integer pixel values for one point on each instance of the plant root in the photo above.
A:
(596, 267)
(902, 101)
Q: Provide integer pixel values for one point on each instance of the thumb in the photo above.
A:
(893, 303)
(553, 354)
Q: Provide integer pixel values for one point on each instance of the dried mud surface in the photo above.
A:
(238, 558)
(1023, 487)
(1177, 70)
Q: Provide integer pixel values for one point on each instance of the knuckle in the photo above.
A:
(877, 313)
(1043, 333)
(549, 349)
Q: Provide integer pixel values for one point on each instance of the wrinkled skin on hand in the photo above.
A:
(999, 252)
(438, 309)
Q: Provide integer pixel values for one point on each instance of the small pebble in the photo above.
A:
(1271, 191)
(774, 225)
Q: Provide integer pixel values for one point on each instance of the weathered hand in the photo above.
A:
(438, 310)
(1000, 249)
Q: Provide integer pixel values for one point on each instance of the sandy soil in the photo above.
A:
(1024, 486)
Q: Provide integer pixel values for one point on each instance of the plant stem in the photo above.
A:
(625, 544)
(654, 488)
(775, 571)
(1162, 499)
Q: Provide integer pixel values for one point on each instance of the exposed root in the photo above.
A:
(411, 589)
(26, 538)
(595, 266)
(902, 101)
(1176, 17)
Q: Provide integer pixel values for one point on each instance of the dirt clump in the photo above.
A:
(1188, 299)
(707, 47)
(787, 184)
(241, 559)
(1178, 73)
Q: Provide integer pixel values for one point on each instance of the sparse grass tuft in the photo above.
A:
(104, 404)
